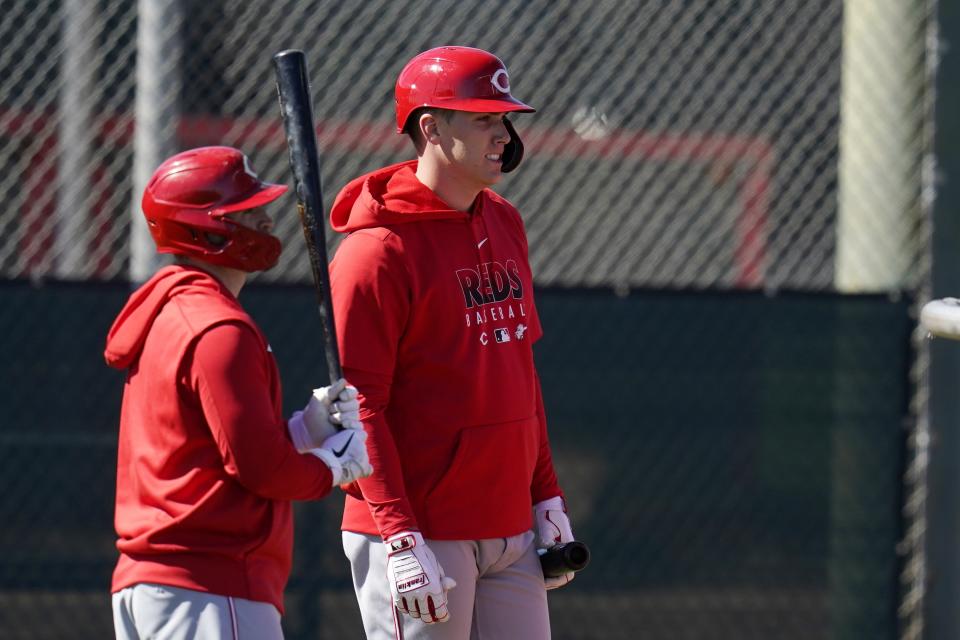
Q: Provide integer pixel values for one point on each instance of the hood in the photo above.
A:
(388, 196)
(129, 331)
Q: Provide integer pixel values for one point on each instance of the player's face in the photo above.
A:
(474, 144)
(257, 219)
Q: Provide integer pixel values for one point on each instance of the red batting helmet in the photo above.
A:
(189, 195)
(462, 79)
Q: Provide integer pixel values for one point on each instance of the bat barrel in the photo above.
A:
(296, 110)
(293, 85)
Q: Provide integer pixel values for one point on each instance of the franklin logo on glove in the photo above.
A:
(413, 583)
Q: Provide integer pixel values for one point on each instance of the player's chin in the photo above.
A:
(492, 175)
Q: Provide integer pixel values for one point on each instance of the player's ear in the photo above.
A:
(429, 127)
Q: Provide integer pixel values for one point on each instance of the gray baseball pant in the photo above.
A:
(499, 593)
(154, 611)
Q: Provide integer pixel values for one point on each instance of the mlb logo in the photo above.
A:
(501, 335)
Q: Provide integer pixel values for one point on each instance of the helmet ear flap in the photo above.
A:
(513, 151)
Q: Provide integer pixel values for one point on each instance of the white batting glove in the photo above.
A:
(552, 527)
(416, 578)
(345, 453)
(329, 409)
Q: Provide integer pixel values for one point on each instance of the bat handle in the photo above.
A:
(564, 558)
(334, 369)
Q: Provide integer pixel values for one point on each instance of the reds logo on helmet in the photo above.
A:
(501, 81)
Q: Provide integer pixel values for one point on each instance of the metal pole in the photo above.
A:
(881, 151)
(74, 159)
(159, 55)
(879, 239)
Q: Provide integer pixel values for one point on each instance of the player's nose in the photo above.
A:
(501, 133)
(266, 224)
(262, 221)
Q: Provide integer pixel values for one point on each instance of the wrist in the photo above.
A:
(299, 435)
(551, 504)
(403, 541)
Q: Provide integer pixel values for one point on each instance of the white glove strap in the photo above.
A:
(552, 504)
(298, 432)
(551, 524)
(403, 542)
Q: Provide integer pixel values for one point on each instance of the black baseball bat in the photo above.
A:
(296, 110)
(564, 558)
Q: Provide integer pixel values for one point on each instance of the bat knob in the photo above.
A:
(286, 53)
(564, 558)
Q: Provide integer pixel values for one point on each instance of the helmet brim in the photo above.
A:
(267, 194)
(476, 105)
(484, 105)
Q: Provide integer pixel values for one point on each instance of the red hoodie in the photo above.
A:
(205, 469)
(436, 323)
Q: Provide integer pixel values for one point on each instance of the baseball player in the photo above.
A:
(434, 297)
(207, 467)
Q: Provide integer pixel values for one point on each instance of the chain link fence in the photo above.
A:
(690, 161)
(677, 144)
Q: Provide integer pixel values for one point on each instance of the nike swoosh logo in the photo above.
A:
(480, 244)
(342, 450)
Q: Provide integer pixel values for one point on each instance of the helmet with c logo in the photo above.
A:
(458, 78)
(188, 197)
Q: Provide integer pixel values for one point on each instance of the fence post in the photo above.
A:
(159, 55)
